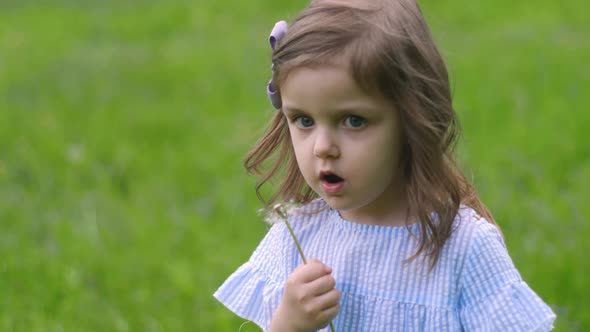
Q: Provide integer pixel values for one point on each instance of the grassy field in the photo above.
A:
(123, 202)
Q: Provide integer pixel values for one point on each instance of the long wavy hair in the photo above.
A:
(389, 49)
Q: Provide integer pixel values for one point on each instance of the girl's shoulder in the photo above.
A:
(469, 232)
(469, 224)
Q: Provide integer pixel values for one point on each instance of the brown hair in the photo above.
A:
(390, 50)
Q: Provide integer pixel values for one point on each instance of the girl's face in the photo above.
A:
(347, 143)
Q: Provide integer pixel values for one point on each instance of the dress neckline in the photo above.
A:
(372, 229)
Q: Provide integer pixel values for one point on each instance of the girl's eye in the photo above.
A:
(354, 121)
(304, 121)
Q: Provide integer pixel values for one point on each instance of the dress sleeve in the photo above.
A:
(254, 290)
(493, 295)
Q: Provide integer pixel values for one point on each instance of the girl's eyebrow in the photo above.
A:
(360, 109)
(290, 110)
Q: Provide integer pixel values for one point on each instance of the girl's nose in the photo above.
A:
(325, 146)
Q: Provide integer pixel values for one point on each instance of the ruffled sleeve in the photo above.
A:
(253, 292)
(493, 295)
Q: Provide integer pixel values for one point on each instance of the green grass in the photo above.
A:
(123, 203)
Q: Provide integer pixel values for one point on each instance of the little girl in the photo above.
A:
(362, 141)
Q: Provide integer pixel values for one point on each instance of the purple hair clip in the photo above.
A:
(277, 33)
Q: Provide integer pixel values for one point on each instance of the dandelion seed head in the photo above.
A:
(278, 213)
(271, 217)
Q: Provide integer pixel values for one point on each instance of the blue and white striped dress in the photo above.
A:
(473, 287)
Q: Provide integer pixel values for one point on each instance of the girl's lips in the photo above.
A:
(332, 188)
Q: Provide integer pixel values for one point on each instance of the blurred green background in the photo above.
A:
(123, 202)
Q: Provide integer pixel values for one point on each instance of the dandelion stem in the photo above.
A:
(332, 327)
(296, 241)
(283, 215)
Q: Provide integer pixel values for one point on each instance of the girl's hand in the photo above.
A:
(310, 300)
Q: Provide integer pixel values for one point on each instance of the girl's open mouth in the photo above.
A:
(331, 183)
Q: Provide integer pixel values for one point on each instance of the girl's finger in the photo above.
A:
(311, 271)
(321, 285)
(328, 300)
(329, 313)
